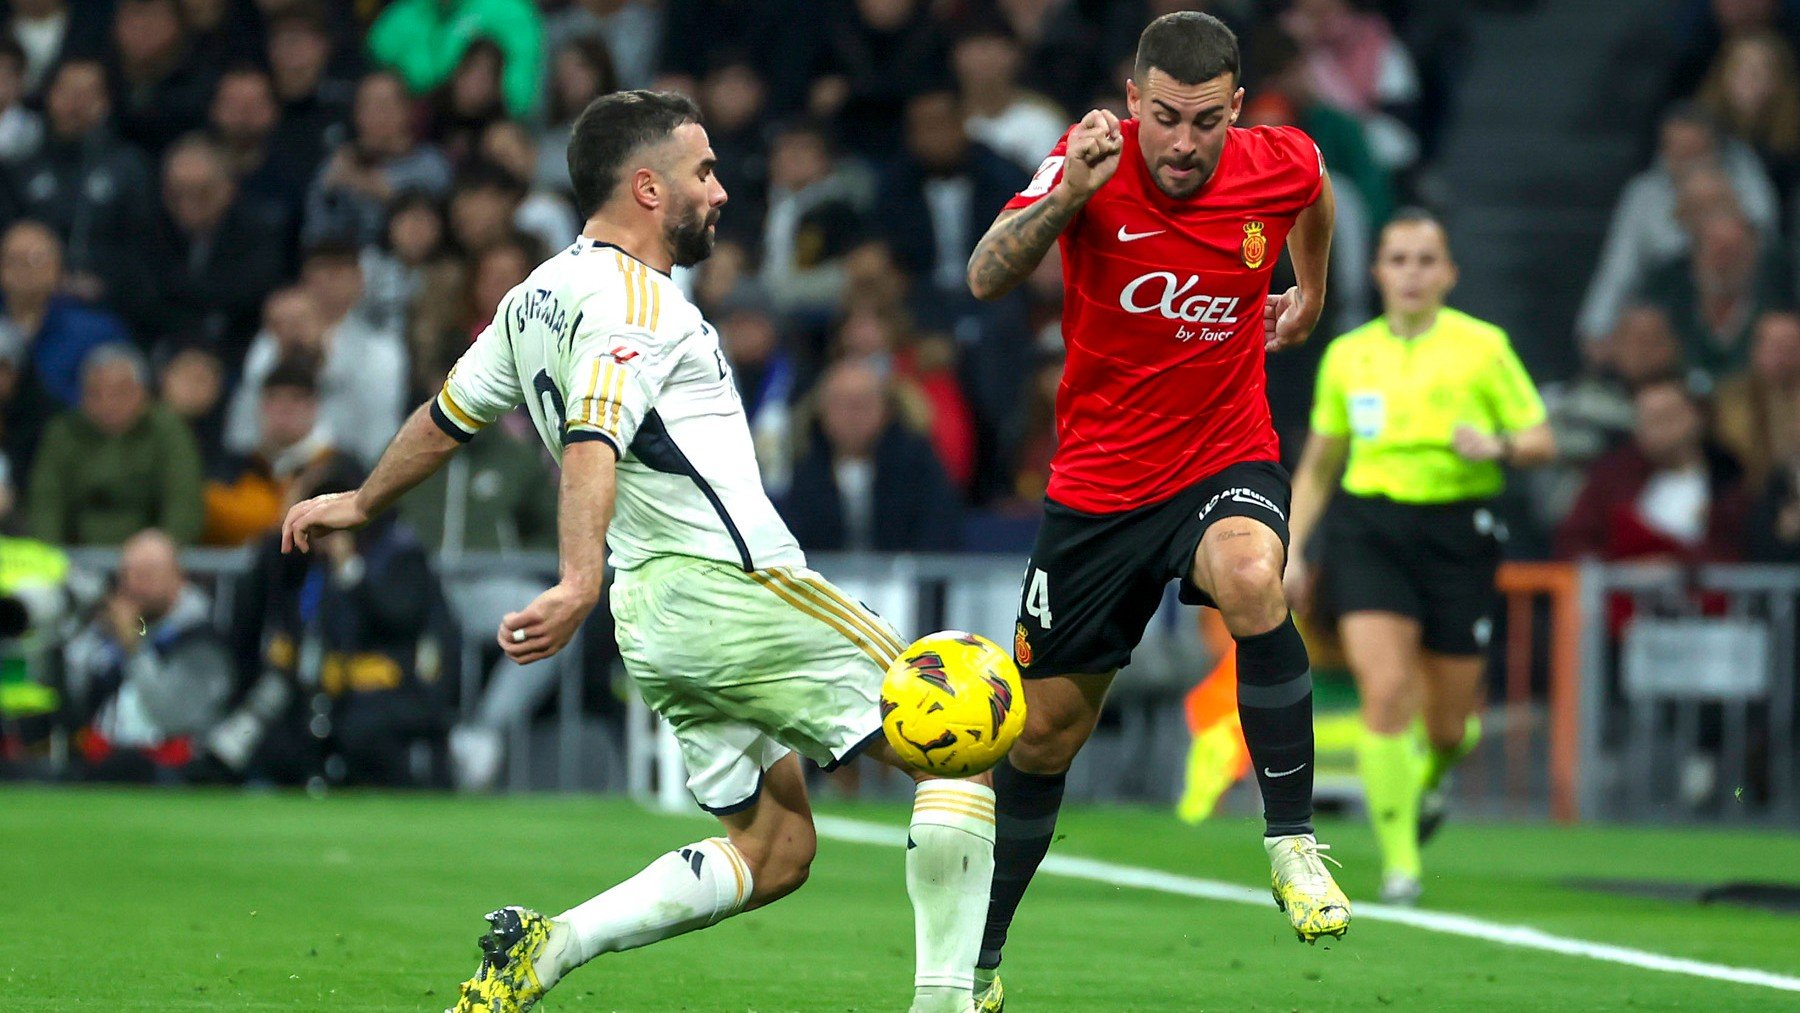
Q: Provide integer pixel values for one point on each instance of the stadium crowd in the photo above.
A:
(239, 239)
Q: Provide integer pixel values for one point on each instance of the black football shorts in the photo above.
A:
(1096, 579)
(1434, 563)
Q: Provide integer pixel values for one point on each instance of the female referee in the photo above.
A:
(1417, 410)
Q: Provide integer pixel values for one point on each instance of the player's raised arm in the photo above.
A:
(1020, 236)
(420, 448)
(1290, 318)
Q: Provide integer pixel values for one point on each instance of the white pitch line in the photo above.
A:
(1093, 870)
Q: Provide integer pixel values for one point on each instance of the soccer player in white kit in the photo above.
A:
(749, 655)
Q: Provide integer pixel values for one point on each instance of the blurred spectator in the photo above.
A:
(816, 206)
(943, 194)
(85, 183)
(631, 31)
(148, 673)
(272, 171)
(363, 376)
(248, 494)
(1753, 92)
(383, 157)
(1716, 293)
(1667, 495)
(878, 54)
(867, 482)
(1020, 125)
(545, 213)
(733, 99)
(46, 334)
(922, 371)
(162, 87)
(1703, 27)
(766, 376)
(191, 384)
(470, 100)
(314, 102)
(1757, 412)
(393, 271)
(340, 652)
(453, 306)
(21, 128)
(493, 496)
(781, 36)
(220, 30)
(53, 31)
(117, 465)
(580, 71)
(1063, 51)
(1356, 64)
(1594, 412)
(204, 264)
(425, 39)
(1647, 227)
(498, 270)
(483, 202)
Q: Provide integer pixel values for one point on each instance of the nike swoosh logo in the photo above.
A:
(1270, 773)
(1126, 237)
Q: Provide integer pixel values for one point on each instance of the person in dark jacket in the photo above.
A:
(162, 82)
(341, 654)
(937, 202)
(204, 266)
(85, 183)
(869, 483)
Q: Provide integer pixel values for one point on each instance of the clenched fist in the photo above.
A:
(1093, 153)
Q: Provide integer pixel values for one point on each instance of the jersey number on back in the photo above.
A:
(549, 398)
(1037, 597)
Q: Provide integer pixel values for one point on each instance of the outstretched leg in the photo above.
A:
(764, 856)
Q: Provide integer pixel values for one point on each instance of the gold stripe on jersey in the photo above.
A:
(630, 292)
(616, 394)
(767, 578)
(454, 410)
(655, 302)
(643, 290)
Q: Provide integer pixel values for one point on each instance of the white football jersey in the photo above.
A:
(600, 346)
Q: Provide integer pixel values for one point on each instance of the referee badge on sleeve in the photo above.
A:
(1021, 646)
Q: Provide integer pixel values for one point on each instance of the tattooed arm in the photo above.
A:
(1017, 240)
(1020, 237)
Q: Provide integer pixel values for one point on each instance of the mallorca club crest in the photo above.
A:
(1256, 245)
(1021, 646)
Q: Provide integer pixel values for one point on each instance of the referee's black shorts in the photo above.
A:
(1434, 563)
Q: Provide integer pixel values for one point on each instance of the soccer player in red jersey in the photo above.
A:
(1166, 465)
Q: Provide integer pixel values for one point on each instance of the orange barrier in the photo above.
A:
(1522, 584)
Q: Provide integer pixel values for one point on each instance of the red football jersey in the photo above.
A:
(1163, 384)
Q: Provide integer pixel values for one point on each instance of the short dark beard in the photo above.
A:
(691, 236)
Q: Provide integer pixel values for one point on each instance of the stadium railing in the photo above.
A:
(1626, 692)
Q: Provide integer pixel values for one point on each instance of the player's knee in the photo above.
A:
(1049, 743)
(1249, 593)
(1445, 736)
(1384, 710)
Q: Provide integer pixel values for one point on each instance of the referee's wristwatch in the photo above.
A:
(1506, 448)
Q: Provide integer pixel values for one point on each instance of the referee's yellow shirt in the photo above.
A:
(1398, 400)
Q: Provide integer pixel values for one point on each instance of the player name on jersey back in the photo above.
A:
(599, 346)
(1163, 381)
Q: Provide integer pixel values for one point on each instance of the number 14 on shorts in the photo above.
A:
(1037, 597)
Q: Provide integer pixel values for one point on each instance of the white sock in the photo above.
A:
(688, 888)
(949, 868)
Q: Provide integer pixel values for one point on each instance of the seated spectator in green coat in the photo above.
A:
(117, 464)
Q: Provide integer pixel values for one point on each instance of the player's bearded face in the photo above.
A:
(1182, 127)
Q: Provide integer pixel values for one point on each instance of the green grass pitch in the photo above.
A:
(123, 900)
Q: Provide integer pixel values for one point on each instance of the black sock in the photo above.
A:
(1025, 807)
(1275, 708)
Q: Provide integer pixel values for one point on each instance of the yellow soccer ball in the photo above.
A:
(952, 704)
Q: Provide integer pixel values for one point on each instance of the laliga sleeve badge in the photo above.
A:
(1256, 245)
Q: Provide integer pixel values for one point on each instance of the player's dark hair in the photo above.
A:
(612, 129)
(1413, 215)
(1189, 46)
